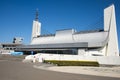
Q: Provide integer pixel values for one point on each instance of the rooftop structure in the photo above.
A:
(17, 40)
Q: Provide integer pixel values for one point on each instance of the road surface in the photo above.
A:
(14, 69)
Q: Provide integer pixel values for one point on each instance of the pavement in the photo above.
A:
(12, 68)
(112, 71)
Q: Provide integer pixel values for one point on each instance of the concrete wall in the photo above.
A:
(36, 31)
(67, 36)
(109, 60)
(110, 26)
(43, 40)
(103, 60)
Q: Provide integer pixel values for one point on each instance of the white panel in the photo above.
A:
(81, 52)
(36, 31)
(43, 40)
(91, 37)
(112, 47)
(64, 36)
(107, 17)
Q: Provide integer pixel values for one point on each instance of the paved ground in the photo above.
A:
(97, 71)
(11, 68)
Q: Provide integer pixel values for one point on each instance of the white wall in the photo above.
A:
(110, 25)
(43, 40)
(103, 60)
(36, 31)
(66, 57)
(63, 37)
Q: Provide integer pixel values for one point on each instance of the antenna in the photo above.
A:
(36, 17)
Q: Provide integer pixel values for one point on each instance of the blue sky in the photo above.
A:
(16, 16)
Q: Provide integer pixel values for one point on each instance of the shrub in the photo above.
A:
(72, 63)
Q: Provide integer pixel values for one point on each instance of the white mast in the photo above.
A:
(36, 31)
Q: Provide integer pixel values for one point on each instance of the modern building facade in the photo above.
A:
(96, 42)
(94, 45)
(69, 41)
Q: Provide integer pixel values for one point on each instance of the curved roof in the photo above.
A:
(92, 38)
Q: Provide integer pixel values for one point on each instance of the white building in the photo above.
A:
(97, 42)
(17, 40)
(96, 45)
